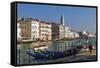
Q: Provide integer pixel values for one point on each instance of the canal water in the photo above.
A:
(24, 58)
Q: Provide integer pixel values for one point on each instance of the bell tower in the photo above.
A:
(62, 20)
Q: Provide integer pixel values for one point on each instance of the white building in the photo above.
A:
(45, 31)
(91, 35)
(77, 35)
(67, 31)
(73, 35)
(61, 32)
(34, 29)
(61, 28)
(18, 31)
(84, 32)
(70, 34)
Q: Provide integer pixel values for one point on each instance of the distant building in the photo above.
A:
(61, 32)
(55, 31)
(62, 28)
(67, 32)
(91, 35)
(45, 31)
(18, 32)
(84, 32)
(73, 35)
(77, 35)
(35, 29)
(25, 26)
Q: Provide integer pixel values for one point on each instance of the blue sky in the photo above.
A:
(78, 18)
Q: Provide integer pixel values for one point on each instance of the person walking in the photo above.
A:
(90, 48)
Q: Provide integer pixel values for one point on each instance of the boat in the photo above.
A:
(54, 54)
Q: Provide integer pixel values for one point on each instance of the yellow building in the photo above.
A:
(25, 25)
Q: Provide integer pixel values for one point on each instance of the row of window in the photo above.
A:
(41, 31)
(44, 34)
(45, 27)
(35, 27)
(34, 31)
(34, 22)
(44, 30)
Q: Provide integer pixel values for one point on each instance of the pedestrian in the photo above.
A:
(90, 48)
(74, 52)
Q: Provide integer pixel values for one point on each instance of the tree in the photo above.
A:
(81, 34)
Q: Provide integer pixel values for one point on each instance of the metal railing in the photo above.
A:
(24, 58)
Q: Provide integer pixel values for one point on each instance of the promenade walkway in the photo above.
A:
(82, 56)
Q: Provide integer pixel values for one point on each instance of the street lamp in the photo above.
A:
(86, 37)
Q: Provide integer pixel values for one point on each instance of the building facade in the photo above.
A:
(61, 28)
(35, 29)
(91, 35)
(73, 35)
(61, 32)
(18, 32)
(55, 31)
(25, 26)
(67, 31)
(45, 31)
(70, 34)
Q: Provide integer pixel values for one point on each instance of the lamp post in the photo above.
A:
(86, 37)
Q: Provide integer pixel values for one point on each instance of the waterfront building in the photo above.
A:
(25, 26)
(45, 30)
(73, 35)
(91, 35)
(18, 32)
(84, 32)
(55, 31)
(35, 29)
(61, 28)
(76, 35)
(67, 32)
(61, 32)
